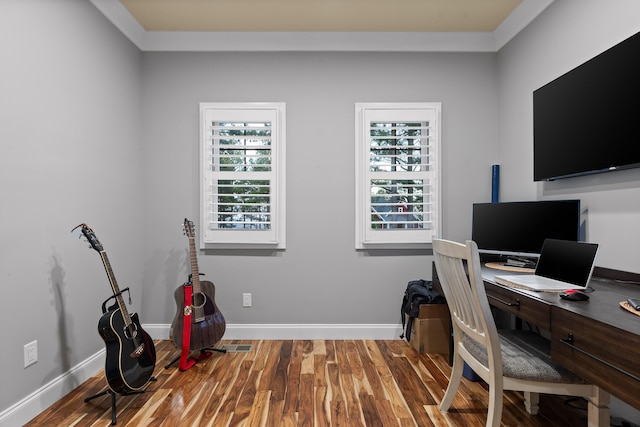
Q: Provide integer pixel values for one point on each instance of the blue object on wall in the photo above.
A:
(495, 183)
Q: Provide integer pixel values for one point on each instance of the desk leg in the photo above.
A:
(598, 412)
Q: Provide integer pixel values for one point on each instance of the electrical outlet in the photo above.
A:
(30, 353)
(246, 300)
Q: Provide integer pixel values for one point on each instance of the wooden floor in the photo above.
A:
(294, 383)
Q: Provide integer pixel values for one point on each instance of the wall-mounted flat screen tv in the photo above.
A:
(519, 228)
(586, 121)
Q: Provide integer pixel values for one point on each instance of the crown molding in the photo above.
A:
(224, 41)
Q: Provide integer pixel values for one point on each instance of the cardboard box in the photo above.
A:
(431, 330)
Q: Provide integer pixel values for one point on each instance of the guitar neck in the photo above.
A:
(195, 274)
(115, 288)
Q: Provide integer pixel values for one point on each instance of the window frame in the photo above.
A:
(365, 236)
(275, 236)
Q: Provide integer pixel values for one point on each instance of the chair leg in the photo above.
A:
(598, 412)
(454, 383)
(531, 402)
(494, 411)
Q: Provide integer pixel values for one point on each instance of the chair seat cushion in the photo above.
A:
(525, 355)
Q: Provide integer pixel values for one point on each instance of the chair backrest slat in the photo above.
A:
(459, 272)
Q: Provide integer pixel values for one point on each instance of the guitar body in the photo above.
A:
(126, 371)
(206, 329)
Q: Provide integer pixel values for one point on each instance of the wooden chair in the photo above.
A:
(506, 360)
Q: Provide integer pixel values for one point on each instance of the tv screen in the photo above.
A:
(586, 121)
(519, 228)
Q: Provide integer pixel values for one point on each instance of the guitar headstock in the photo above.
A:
(91, 237)
(189, 229)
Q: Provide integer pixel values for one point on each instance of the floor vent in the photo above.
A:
(238, 348)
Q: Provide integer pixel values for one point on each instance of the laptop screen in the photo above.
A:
(567, 261)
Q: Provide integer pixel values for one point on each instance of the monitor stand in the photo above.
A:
(505, 267)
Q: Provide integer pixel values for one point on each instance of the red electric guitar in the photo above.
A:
(207, 323)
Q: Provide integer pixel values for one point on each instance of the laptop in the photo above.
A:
(563, 264)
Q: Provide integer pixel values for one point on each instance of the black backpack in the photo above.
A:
(418, 292)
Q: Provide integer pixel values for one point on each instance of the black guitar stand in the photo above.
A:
(114, 296)
(114, 420)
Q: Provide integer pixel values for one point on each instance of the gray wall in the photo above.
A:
(70, 153)
(319, 278)
(567, 34)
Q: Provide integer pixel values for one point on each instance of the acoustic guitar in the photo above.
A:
(131, 354)
(207, 323)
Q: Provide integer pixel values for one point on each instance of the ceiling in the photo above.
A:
(320, 15)
(346, 25)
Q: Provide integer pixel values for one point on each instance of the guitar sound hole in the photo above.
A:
(199, 300)
(131, 331)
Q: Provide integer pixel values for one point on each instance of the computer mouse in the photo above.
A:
(574, 295)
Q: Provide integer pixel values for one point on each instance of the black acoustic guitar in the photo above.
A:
(207, 323)
(131, 354)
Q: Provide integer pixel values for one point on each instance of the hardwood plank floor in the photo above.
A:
(293, 383)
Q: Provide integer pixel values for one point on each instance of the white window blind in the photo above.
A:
(243, 174)
(397, 180)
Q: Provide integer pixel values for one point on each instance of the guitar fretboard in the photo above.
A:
(198, 306)
(115, 289)
(195, 274)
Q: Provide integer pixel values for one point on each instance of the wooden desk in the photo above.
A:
(597, 339)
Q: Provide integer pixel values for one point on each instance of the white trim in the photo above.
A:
(304, 331)
(313, 332)
(275, 237)
(521, 16)
(365, 113)
(157, 331)
(32, 405)
(315, 41)
(310, 41)
(26, 409)
(123, 20)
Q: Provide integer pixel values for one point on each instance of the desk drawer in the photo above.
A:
(600, 353)
(528, 309)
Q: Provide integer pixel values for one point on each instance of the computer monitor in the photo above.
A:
(520, 228)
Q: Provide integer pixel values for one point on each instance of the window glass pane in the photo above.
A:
(242, 204)
(400, 204)
(398, 147)
(241, 146)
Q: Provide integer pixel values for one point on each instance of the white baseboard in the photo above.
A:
(296, 331)
(27, 408)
